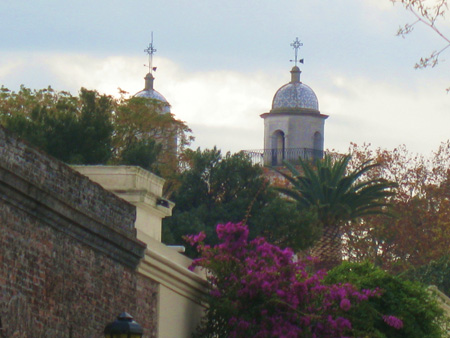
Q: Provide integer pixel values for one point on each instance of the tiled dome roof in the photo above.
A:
(295, 94)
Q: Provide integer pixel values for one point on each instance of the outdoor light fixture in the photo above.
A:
(123, 327)
(163, 202)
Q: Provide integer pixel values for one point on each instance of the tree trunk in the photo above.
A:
(328, 248)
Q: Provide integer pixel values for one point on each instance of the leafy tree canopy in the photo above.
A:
(92, 128)
(436, 272)
(409, 301)
(215, 188)
(419, 232)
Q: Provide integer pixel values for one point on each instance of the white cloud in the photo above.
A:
(213, 103)
(105, 74)
(10, 64)
(386, 115)
(383, 5)
(223, 107)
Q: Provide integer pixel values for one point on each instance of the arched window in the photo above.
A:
(278, 147)
(318, 145)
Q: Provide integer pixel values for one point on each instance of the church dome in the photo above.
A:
(295, 94)
(150, 93)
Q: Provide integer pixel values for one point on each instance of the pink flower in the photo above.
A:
(345, 304)
(195, 239)
(393, 321)
(253, 276)
(215, 293)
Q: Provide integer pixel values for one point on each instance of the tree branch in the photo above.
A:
(427, 15)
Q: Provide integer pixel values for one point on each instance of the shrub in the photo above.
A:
(408, 301)
(259, 290)
(434, 273)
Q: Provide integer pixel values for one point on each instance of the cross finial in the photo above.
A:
(296, 45)
(150, 51)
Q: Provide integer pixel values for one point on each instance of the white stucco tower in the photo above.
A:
(294, 127)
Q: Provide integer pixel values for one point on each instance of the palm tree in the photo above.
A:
(337, 197)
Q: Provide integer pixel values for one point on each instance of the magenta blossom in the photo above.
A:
(393, 321)
(259, 290)
(345, 304)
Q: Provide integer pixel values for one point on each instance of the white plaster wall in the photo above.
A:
(272, 124)
(302, 129)
(180, 291)
(137, 186)
(178, 315)
(147, 223)
(298, 129)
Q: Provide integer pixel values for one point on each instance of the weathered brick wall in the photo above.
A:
(64, 183)
(68, 251)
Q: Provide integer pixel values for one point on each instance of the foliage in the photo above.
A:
(409, 301)
(141, 125)
(260, 290)
(215, 188)
(95, 129)
(75, 130)
(295, 229)
(434, 273)
(337, 195)
(420, 231)
(143, 153)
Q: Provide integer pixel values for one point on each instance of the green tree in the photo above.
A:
(337, 196)
(73, 129)
(143, 153)
(96, 129)
(409, 301)
(142, 127)
(216, 189)
(420, 231)
(436, 273)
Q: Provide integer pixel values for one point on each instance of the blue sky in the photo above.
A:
(220, 63)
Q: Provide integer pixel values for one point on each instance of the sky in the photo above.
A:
(219, 63)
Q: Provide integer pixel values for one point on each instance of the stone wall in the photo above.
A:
(68, 251)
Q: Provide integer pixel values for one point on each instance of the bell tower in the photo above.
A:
(294, 127)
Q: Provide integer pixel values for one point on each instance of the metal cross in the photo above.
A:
(150, 51)
(296, 45)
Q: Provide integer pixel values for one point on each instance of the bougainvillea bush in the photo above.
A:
(259, 290)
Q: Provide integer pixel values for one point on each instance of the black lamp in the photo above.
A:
(123, 327)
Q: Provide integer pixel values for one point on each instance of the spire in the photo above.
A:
(149, 78)
(295, 72)
(296, 45)
(150, 51)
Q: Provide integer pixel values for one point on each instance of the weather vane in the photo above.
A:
(296, 45)
(150, 51)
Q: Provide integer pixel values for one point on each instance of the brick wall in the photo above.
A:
(68, 251)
